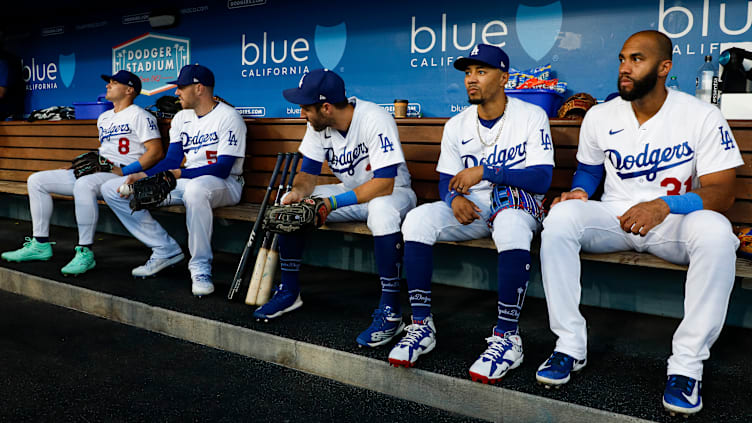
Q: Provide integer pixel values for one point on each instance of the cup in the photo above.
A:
(400, 108)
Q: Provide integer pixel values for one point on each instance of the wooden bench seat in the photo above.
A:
(29, 147)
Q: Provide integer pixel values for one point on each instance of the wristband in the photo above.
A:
(343, 200)
(450, 197)
(683, 204)
(134, 167)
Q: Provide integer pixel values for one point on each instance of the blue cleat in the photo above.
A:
(385, 326)
(682, 395)
(557, 369)
(282, 301)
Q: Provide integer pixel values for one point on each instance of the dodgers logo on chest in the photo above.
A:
(197, 142)
(113, 130)
(649, 162)
(346, 161)
(507, 157)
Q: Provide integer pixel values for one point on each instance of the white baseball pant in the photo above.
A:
(513, 229)
(85, 192)
(702, 239)
(383, 215)
(199, 196)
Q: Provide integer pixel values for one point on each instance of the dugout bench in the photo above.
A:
(27, 147)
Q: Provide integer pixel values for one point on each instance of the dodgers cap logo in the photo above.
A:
(317, 86)
(485, 54)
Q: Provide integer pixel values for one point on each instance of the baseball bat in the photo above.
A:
(258, 268)
(272, 259)
(238, 279)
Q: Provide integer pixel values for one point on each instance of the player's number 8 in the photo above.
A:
(123, 145)
(676, 185)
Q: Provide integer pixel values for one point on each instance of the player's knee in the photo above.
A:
(383, 214)
(415, 223)
(34, 181)
(195, 194)
(85, 186)
(710, 231)
(109, 190)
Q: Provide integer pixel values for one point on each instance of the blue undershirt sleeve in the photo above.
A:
(536, 179)
(587, 177)
(220, 169)
(311, 166)
(172, 159)
(386, 172)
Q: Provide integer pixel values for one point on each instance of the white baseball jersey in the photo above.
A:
(524, 140)
(659, 157)
(122, 134)
(221, 132)
(372, 142)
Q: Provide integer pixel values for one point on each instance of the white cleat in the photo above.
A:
(202, 285)
(503, 354)
(155, 265)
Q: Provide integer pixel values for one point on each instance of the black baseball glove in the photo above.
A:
(304, 216)
(89, 163)
(150, 192)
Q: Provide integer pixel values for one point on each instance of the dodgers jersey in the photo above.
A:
(372, 142)
(525, 140)
(221, 132)
(686, 139)
(122, 134)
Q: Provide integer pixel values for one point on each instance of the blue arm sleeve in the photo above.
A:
(387, 172)
(220, 169)
(311, 166)
(535, 179)
(172, 159)
(587, 177)
(444, 193)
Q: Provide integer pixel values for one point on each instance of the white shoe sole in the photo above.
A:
(294, 306)
(169, 262)
(202, 290)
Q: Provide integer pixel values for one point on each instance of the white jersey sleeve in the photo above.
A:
(450, 161)
(717, 149)
(311, 145)
(588, 150)
(539, 148)
(381, 137)
(232, 133)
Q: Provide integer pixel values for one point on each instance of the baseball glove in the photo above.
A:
(505, 197)
(150, 192)
(745, 242)
(576, 106)
(89, 163)
(301, 217)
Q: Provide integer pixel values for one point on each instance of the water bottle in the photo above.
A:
(706, 84)
(673, 84)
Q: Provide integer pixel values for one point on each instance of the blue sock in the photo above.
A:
(290, 255)
(42, 238)
(513, 276)
(388, 253)
(419, 268)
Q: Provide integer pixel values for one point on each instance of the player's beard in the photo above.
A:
(640, 87)
(480, 100)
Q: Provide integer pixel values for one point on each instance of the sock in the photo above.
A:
(419, 268)
(290, 255)
(42, 238)
(388, 253)
(513, 276)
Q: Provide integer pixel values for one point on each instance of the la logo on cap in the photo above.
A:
(474, 52)
(322, 97)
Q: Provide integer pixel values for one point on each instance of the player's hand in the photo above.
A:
(467, 178)
(643, 217)
(133, 177)
(465, 211)
(293, 197)
(571, 195)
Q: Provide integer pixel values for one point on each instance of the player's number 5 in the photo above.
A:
(676, 185)
(211, 156)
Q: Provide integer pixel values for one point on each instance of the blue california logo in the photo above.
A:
(538, 28)
(329, 42)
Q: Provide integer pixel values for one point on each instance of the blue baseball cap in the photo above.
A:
(127, 78)
(485, 54)
(194, 74)
(317, 86)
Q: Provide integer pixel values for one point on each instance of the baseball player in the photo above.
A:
(360, 143)
(670, 164)
(130, 141)
(495, 165)
(210, 137)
